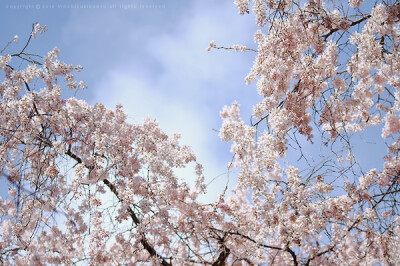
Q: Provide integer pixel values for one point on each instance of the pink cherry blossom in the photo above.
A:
(87, 187)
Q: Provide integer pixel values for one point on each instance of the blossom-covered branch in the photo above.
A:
(87, 187)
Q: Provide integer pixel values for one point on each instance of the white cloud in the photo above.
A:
(183, 86)
(140, 100)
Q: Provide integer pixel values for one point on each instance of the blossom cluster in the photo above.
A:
(318, 69)
(85, 186)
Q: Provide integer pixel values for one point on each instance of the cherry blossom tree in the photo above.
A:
(86, 187)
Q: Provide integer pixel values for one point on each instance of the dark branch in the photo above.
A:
(132, 214)
(222, 257)
(351, 25)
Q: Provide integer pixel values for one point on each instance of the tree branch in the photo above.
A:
(356, 22)
(132, 214)
(222, 257)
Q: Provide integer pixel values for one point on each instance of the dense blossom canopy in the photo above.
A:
(86, 187)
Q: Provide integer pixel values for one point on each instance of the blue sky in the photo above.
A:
(151, 58)
(149, 55)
